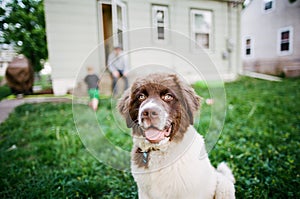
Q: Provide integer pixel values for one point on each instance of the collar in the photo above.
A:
(145, 154)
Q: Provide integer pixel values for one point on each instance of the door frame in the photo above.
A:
(115, 25)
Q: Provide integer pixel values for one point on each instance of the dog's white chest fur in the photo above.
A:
(169, 159)
(182, 171)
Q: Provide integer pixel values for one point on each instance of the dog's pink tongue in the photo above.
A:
(154, 135)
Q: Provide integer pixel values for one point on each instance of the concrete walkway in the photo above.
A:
(8, 105)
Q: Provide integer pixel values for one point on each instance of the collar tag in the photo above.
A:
(145, 157)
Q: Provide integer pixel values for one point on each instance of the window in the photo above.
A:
(285, 41)
(119, 23)
(248, 45)
(268, 5)
(201, 28)
(160, 21)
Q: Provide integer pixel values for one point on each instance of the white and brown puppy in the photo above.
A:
(169, 159)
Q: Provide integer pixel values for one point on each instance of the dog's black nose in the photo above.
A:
(151, 113)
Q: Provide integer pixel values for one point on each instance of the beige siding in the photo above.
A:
(74, 28)
(139, 15)
(263, 29)
(71, 33)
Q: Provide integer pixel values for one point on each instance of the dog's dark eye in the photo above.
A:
(167, 97)
(142, 97)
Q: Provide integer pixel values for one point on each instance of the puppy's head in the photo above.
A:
(159, 108)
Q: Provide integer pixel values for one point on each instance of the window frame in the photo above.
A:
(194, 31)
(245, 47)
(119, 26)
(280, 41)
(264, 2)
(155, 24)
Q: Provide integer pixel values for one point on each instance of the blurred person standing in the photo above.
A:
(92, 81)
(118, 66)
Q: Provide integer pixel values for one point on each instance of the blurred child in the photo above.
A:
(92, 81)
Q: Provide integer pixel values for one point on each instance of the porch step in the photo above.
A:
(291, 71)
(261, 76)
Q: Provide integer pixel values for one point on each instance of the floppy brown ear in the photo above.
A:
(123, 107)
(191, 100)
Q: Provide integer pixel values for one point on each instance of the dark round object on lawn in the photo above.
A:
(19, 75)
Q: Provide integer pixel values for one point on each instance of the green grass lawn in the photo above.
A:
(41, 155)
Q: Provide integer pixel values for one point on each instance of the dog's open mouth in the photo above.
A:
(155, 135)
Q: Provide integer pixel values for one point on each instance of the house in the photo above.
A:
(7, 54)
(271, 37)
(164, 33)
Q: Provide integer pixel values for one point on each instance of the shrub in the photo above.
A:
(4, 91)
